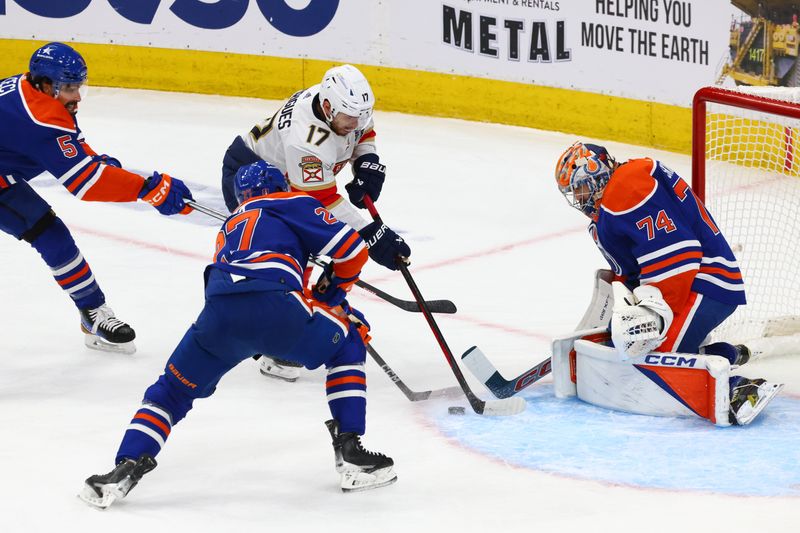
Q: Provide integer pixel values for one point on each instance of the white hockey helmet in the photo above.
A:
(348, 92)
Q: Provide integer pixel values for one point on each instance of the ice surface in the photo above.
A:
(488, 230)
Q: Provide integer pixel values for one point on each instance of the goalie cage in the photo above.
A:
(746, 170)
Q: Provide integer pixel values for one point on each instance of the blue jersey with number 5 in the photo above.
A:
(38, 134)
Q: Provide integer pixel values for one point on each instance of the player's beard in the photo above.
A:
(72, 108)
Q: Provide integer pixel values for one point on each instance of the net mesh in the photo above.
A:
(752, 189)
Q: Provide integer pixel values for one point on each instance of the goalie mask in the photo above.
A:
(582, 173)
(258, 179)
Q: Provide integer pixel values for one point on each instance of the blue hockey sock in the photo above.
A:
(346, 386)
(147, 433)
(69, 268)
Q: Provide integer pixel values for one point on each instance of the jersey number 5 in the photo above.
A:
(67, 148)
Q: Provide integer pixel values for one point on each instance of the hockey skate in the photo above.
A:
(106, 332)
(360, 469)
(102, 490)
(749, 397)
(279, 368)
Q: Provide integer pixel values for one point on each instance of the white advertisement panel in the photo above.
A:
(654, 50)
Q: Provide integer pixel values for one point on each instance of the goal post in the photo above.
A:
(746, 168)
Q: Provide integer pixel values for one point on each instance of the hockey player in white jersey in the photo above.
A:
(311, 138)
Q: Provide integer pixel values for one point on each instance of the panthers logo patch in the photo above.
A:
(312, 169)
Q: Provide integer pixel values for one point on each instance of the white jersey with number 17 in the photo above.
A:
(297, 140)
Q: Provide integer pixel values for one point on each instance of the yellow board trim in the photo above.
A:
(410, 91)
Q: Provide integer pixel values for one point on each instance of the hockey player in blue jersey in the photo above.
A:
(40, 133)
(255, 303)
(664, 245)
(313, 136)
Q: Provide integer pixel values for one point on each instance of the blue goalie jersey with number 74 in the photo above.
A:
(653, 230)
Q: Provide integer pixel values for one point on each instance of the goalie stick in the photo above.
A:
(410, 394)
(504, 407)
(485, 371)
(598, 314)
(436, 306)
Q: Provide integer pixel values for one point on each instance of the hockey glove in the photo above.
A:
(369, 175)
(358, 320)
(331, 289)
(166, 194)
(107, 159)
(640, 320)
(384, 245)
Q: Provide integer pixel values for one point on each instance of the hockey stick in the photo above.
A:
(485, 371)
(507, 406)
(436, 306)
(410, 394)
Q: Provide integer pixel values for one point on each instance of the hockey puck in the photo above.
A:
(456, 410)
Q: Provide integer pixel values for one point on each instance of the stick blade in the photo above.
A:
(441, 306)
(506, 407)
(478, 364)
(485, 371)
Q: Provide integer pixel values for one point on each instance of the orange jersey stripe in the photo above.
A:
(352, 267)
(88, 149)
(82, 177)
(347, 379)
(154, 420)
(672, 260)
(346, 246)
(267, 257)
(73, 277)
(115, 185)
(721, 272)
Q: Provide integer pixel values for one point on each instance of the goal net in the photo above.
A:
(746, 168)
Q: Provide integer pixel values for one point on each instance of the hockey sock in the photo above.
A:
(346, 386)
(69, 268)
(147, 433)
(164, 405)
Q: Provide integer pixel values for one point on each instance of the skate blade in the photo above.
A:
(96, 343)
(749, 416)
(279, 378)
(272, 372)
(89, 496)
(361, 481)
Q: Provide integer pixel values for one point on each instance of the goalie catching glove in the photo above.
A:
(640, 320)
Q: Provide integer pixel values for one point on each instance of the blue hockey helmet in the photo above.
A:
(258, 179)
(59, 64)
(582, 173)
